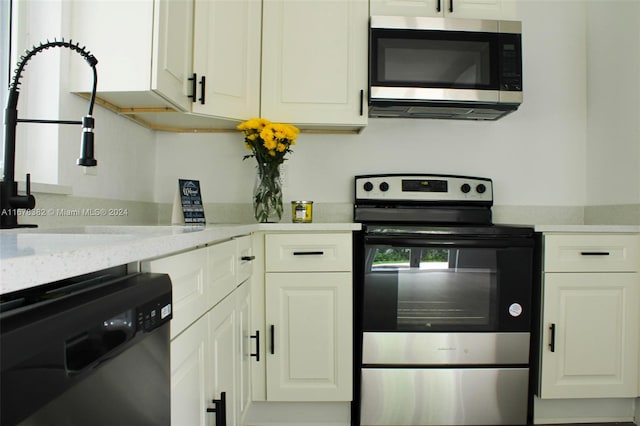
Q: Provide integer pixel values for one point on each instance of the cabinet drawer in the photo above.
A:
(591, 253)
(308, 252)
(245, 258)
(189, 278)
(222, 270)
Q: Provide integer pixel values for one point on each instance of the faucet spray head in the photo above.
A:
(86, 148)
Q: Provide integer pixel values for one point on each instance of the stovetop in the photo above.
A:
(423, 198)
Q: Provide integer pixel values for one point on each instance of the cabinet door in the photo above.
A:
(222, 357)
(407, 7)
(309, 349)
(173, 47)
(476, 9)
(590, 335)
(226, 45)
(188, 384)
(245, 345)
(314, 61)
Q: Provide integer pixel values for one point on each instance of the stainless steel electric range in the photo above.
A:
(444, 304)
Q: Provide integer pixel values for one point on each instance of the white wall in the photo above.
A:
(125, 151)
(613, 143)
(536, 155)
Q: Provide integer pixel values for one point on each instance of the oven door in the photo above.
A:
(439, 280)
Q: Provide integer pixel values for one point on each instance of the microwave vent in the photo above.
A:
(481, 112)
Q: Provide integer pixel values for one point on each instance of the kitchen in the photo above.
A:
(548, 160)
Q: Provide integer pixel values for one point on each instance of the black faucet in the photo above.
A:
(10, 200)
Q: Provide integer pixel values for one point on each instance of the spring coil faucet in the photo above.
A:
(10, 200)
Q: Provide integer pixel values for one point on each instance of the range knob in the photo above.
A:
(368, 186)
(465, 188)
(384, 186)
(481, 188)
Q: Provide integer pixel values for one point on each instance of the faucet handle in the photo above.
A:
(27, 201)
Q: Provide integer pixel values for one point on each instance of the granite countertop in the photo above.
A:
(31, 257)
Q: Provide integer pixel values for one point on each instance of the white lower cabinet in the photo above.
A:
(590, 343)
(309, 354)
(306, 318)
(590, 323)
(210, 344)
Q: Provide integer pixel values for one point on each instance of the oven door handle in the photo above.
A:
(454, 242)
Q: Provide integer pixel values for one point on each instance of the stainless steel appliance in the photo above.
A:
(449, 68)
(444, 304)
(87, 351)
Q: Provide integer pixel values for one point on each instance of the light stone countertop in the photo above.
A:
(31, 257)
(594, 229)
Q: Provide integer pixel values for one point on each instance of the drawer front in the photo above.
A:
(245, 258)
(591, 253)
(189, 276)
(223, 270)
(308, 252)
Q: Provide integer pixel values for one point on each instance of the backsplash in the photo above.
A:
(65, 210)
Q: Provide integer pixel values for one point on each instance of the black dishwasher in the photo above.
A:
(93, 350)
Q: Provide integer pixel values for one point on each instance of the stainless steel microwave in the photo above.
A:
(445, 68)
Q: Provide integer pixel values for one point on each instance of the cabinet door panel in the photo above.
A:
(227, 52)
(407, 7)
(311, 315)
(314, 61)
(222, 365)
(173, 38)
(188, 385)
(595, 349)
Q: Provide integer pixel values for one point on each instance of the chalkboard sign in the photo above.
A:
(187, 206)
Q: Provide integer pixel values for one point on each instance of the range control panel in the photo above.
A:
(422, 187)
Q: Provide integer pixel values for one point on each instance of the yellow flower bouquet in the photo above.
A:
(269, 143)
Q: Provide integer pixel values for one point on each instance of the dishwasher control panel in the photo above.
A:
(154, 314)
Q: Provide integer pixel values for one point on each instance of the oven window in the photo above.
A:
(429, 289)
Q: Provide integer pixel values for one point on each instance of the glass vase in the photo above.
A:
(267, 193)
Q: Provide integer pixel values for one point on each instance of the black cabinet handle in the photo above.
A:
(194, 87)
(552, 338)
(202, 89)
(439, 6)
(220, 409)
(273, 339)
(248, 258)
(595, 253)
(361, 102)
(308, 253)
(257, 354)
(450, 6)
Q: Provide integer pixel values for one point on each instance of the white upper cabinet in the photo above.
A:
(143, 49)
(209, 64)
(476, 9)
(226, 63)
(314, 62)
